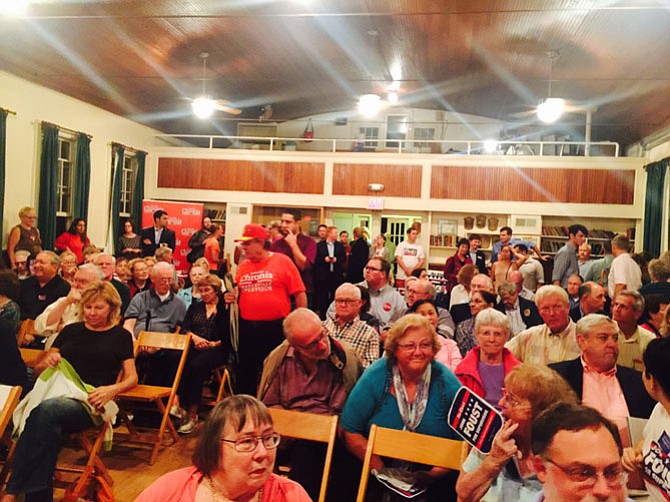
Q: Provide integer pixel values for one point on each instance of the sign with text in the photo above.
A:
(474, 419)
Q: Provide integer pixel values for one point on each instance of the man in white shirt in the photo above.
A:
(409, 255)
(624, 272)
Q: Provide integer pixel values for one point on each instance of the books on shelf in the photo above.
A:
(216, 214)
(444, 240)
(594, 233)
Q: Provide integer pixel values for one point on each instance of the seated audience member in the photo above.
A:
(347, 326)
(574, 283)
(9, 290)
(592, 298)
(157, 309)
(65, 310)
(454, 263)
(551, 342)
(12, 368)
(406, 390)
(505, 264)
(659, 274)
(97, 348)
(655, 307)
(68, 266)
(203, 264)
(480, 282)
(423, 289)
(74, 239)
(163, 254)
(449, 355)
(573, 446)
(139, 277)
(150, 261)
(233, 460)
(89, 252)
(508, 472)
(516, 278)
(648, 456)
(627, 308)
(208, 323)
(465, 331)
(485, 367)
(20, 265)
(461, 292)
(107, 263)
(419, 273)
(44, 287)
(615, 391)
(531, 270)
(309, 372)
(122, 270)
(192, 294)
(365, 314)
(521, 313)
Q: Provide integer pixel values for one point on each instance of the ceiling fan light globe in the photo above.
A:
(550, 109)
(369, 105)
(203, 107)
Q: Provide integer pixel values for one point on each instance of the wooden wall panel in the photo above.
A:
(241, 175)
(581, 186)
(399, 181)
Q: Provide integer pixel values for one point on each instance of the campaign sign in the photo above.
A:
(474, 419)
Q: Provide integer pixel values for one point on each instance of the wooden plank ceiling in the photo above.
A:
(139, 58)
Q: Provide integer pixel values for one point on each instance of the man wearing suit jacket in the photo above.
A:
(477, 255)
(328, 269)
(158, 235)
(521, 313)
(592, 299)
(615, 391)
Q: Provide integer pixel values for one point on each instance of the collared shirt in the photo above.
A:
(516, 323)
(565, 264)
(537, 345)
(331, 252)
(602, 392)
(624, 270)
(360, 337)
(71, 314)
(163, 316)
(296, 388)
(157, 234)
(386, 304)
(632, 348)
(599, 270)
(533, 274)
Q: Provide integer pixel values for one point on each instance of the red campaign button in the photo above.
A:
(387, 307)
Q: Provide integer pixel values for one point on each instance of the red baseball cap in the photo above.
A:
(252, 232)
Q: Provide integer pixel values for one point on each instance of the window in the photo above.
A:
(127, 184)
(370, 134)
(423, 134)
(396, 128)
(64, 189)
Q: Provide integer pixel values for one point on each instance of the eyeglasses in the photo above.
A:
(512, 400)
(345, 301)
(322, 336)
(249, 444)
(588, 475)
(373, 269)
(411, 347)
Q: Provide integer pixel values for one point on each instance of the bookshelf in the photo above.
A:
(555, 233)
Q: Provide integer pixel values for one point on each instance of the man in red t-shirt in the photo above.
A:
(266, 283)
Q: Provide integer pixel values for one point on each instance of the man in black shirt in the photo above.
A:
(42, 288)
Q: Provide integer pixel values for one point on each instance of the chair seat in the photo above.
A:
(146, 393)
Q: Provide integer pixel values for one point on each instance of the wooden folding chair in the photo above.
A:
(222, 376)
(310, 427)
(26, 327)
(412, 447)
(9, 398)
(155, 394)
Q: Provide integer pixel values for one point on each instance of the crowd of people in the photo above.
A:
(327, 326)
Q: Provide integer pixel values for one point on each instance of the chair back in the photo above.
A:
(310, 427)
(26, 326)
(411, 447)
(31, 356)
(9, 398)
(170, 341)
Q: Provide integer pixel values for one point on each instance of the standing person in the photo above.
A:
(300, 248)
(531, 270)
(212, 251)
(267, 281)
(624, 272)
(455, 263)
(503, 268)
(477, 255)
(379, 248)
(506, 239)
(159, 235)
(584, 258)
(344, 239)
(129, 245)
(600, 269)
(74, 239)
(197, 240)
(409, 256)
(328, 270)
(322, 232)
(358, 257)
(565, 261)
(25, 235)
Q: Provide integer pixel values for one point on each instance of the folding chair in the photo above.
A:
(222, 376)
(311, 427)
(26, 327)
(9, 398)
(412, 447)
(155, 394)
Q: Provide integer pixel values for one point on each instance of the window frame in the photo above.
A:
(70, 139)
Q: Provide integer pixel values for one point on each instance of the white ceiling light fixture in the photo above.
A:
(369, 105)
(392, 97)
(204, 106)
(551, 109)
(13, 8)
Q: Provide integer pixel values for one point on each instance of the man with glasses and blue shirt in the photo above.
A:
(578, 456)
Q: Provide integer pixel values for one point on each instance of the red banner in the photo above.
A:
(185, 218)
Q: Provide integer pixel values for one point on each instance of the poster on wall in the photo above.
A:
(185, 218)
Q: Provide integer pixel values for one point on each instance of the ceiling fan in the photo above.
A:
(203, 106)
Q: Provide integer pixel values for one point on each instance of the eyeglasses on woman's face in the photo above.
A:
(249, 444)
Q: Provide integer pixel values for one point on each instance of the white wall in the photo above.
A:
(33, 104)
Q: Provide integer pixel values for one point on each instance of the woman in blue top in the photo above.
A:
(406, 390)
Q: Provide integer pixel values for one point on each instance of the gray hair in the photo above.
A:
(551, 290)
(638, 299)
(100, 255)
(506, 288)
(492, 317)
(347, 286)
(162, 252)
(658, 270)
(22, 253)
(53, 257)
(622, 242)
(99, 276)
(161, 265)
(588, 323)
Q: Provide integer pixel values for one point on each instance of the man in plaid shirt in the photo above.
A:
(349, 328)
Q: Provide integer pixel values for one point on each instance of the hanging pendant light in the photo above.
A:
(551, 109)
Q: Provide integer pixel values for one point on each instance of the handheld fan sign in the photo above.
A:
(474, 419)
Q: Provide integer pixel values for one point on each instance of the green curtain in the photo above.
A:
(82, 176)
(46, 219)
(138, 191)
(653, 206)
(116, 194)
(3, 150)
